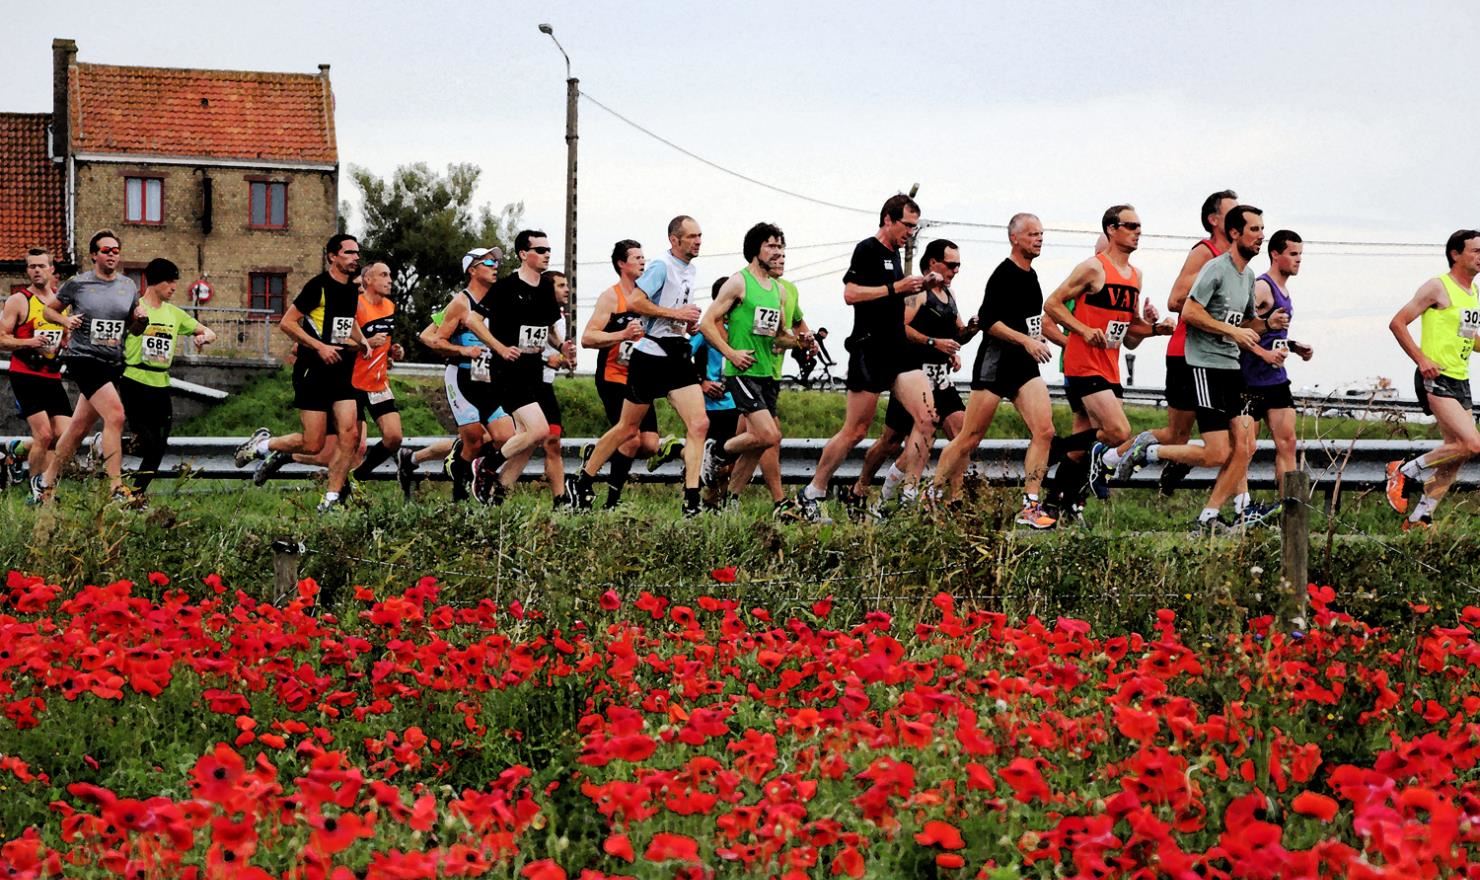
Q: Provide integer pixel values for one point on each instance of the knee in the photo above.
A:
(627, 433)
(649, 445)
(1117, 434)
(44, 437)
(699, 427)
(391, 440)
(1472, 446)
(770, 436)
(1043, 433)
(854, 434)
(312, 445)
(1215, 457)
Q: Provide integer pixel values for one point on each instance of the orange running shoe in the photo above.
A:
(1423, 523)
(1395, 484)
(1033, 517)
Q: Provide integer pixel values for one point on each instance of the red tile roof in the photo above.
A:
(211, 114)
(32, 211)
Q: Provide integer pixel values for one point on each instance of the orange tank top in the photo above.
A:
(369, 372)
(611, 362)
(1112, 308)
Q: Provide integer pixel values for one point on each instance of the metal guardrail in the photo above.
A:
(1356, 464)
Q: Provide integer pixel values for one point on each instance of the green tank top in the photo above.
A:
(754, 323)
(1447, 336)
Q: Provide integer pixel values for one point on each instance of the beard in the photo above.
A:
(1248, 253)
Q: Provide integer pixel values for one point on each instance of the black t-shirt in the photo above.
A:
(522, 315)
(1015, 298)
(328, 308)
(878, 322)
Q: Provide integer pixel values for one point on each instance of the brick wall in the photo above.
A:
(231, 251)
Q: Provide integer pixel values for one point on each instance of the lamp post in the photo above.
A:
(572, 93)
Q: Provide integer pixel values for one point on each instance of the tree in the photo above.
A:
(420, 223)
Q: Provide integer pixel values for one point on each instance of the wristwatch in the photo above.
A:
(930, 341)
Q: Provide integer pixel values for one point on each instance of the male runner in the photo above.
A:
(1007, 368)
(375, 317)
(661, 364)
(559, 351)
(1267, 394)
(1448, 309)
(35, 372)
(102, 307)
(876, 286)
(1220, 320)
(523, 316)
(145, 386)
(936, 333)
(614, 330)
(321, 320)
(1106, 291)
(742, 324)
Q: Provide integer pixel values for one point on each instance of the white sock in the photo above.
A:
(261, 448)
(1208, 514)
(1152, 455)
(331, 497)
(1418, 469)
(1424, 507)
(1029, 499)
(1240, 502)
(814, 494)
(1111, 458)
(909, 495)
(891, 481)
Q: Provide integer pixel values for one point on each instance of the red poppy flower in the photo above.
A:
(941, 834)
(619, 846)
(544, 869)
(610, 601)
(1308, 803)
(672, 847)
(725, 575)
(849, 861)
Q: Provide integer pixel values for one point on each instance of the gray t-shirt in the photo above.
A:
(107, 308)
(1228, 295)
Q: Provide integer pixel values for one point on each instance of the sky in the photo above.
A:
(1347, 122)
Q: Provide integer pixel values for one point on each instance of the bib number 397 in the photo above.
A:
(939, 375)
(105, 331)
(1115, 333)
(1469, 323)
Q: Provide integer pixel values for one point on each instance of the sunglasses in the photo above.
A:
(540, 250)
(488, 263)
(1131, 226)
(953, 266)
(113, 251)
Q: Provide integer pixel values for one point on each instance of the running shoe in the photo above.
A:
(692, 510)
(247, 452)
(581, 498)
(1397, 482)
(329, 504)
(1033, 516)
(1212, 528)
(39, 491)
(94, 453)
(270, 465)
(808, 509)
(122, 496)
(1135, 457)
(406, 471)
(4, 470)
(785, 509)
(669, 449)
(485, 477)
(586, 449)
(17, 452)
(457, 447)
(1259, 514)
(1424, 522)
(855, 506)
(1098, 480)
(709, 465)
(1172, 475)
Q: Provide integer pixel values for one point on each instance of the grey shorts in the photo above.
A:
(1442, 386)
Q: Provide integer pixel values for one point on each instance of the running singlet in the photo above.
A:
(481, 366)
(1177, 346)
(753, 325)
(369, 371)
(328, 309)
(1112, 308)
(668, 282)
(147, 357)
(1447, 336)
(40, 362)
(1258, 374)
(611, 362)
(937, 320)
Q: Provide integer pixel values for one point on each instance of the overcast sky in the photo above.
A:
(1346, 121)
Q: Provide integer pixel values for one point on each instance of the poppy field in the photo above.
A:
(161, 730)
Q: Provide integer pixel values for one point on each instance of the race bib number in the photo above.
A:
(105, 332)
(1279, 345)
(532, 338)
(158, 350)
(482, 367)
(1115, 333)
(624, 351)
(1035, 327)
(939, 375)
(766, 323)
(1234, 318)
(339, 330)
(1469, 323)
(51, 339)
(381, 396)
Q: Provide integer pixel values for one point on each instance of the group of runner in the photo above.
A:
(720, 368)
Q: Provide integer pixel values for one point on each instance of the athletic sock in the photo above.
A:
(462, 474)
(331, 497)
(261, 448)
(892, 480)
(1424, 507)
(814, 494)
(621, 466)
(690, 498)
(1153, 454)
(1240, 502)
(1418, 468)
(373, 458)
(1111, 458)
(1208, 515)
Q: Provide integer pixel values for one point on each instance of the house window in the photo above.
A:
(143, 200)
(135, 274)
(267, 292)
(269, 205)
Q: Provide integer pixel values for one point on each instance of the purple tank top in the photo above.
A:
(1257, 373)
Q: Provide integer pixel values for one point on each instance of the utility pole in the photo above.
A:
(572, 98)
(909, 245)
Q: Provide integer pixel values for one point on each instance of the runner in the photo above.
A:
(321, 320)
(1007, 368)
(375, 317)
(613, 330)
(102, 307)
(1220, 320)
(1448, 309)
(555, 358)
(876, 286)
(1267, 397)
(1181, 397)
(936, 333)
(145, 387)
(742, 324)
(661, 364)
(719, 402)
(1106, 291)
(35, 372)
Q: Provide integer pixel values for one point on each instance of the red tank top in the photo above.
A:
(31, 361)
(1112, 308)
(1177, 347)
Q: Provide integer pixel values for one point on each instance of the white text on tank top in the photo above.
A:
(677, 292)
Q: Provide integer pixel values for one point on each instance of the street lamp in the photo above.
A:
(572, 93)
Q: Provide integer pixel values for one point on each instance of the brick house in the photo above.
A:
(233, 175)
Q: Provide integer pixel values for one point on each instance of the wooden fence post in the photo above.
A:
(1294, 544)
(286, 552)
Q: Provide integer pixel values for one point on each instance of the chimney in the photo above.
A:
(324, 71)
(63, 56)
